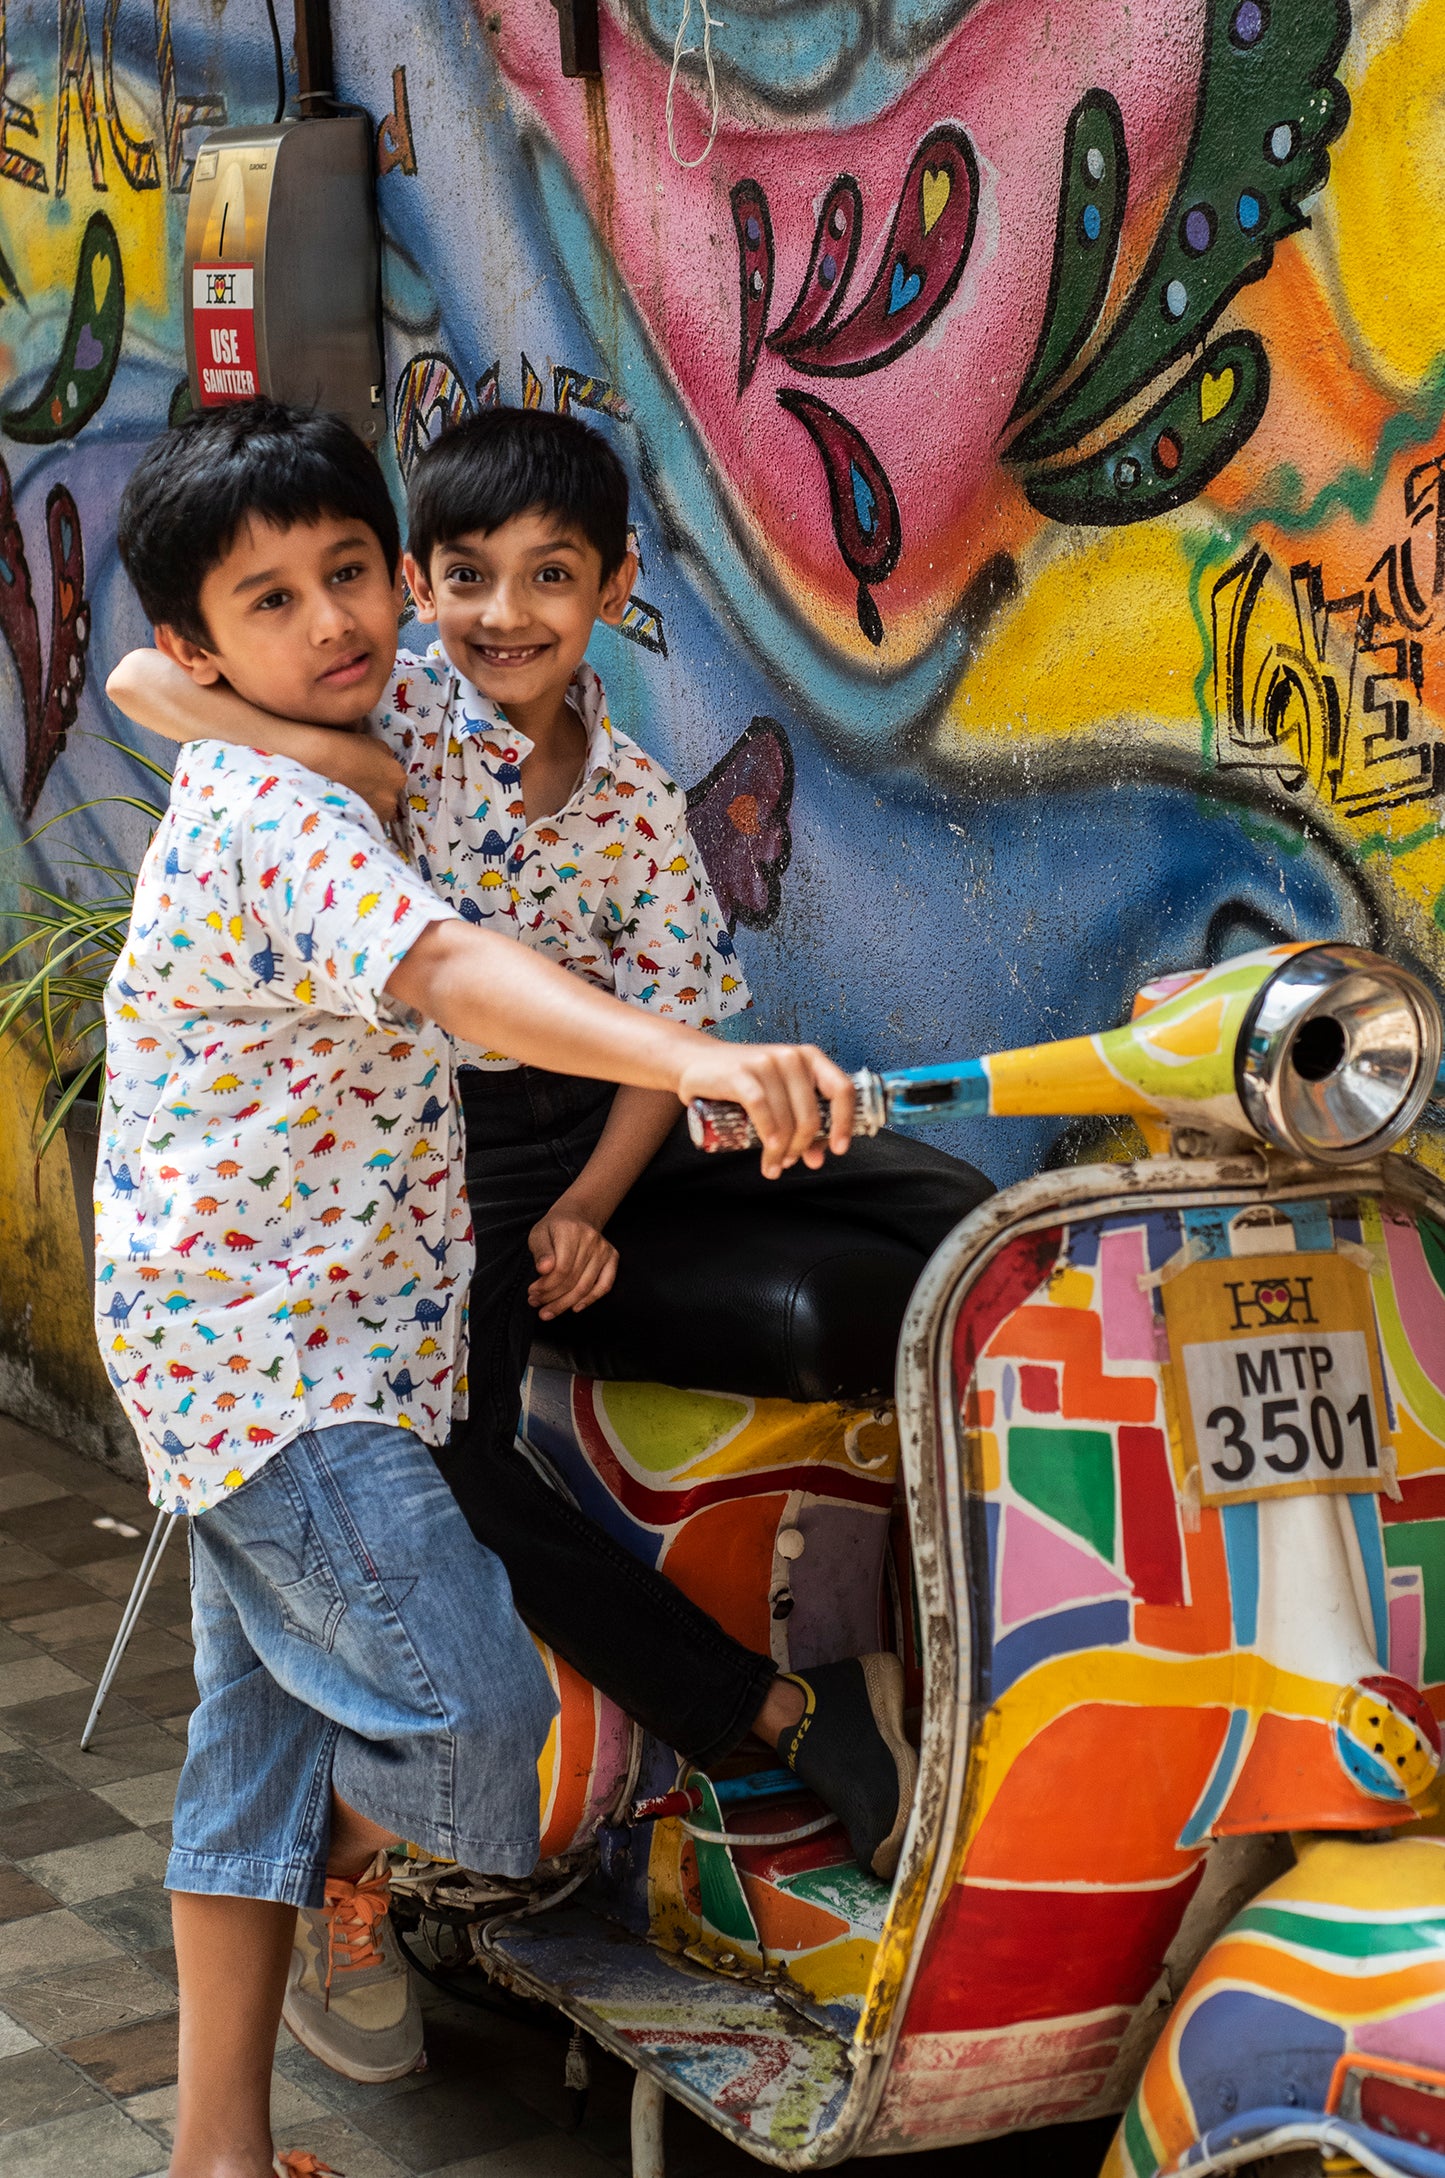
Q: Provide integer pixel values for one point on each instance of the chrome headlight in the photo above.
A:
(1339, 1054)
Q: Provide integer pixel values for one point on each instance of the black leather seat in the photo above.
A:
(777, 1307)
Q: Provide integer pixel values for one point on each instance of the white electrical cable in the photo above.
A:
(680, 53)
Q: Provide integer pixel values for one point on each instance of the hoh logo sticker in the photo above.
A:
(225, 329)
(1260, 1301)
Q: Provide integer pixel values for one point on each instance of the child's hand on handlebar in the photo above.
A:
(778, 1085)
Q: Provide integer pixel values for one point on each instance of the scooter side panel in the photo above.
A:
(1148, 1673)
(1320, 2009)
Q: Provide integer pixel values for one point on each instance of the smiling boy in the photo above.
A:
(361, 1670)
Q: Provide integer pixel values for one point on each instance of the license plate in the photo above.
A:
(1276, 1376)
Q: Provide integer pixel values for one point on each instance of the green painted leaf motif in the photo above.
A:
(80, 379)
(1068, 1474)
(1269, 107)
(1092, 197)
(1171, 453)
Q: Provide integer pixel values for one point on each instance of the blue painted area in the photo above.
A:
(1083, 1242)
(1241, 1549)
(1061, 1633)
(547, 1424)
(1163, 1236)
(1216, 1792)
(1359, 1762)
(909, 1101)
(1402, 2155)
(1312, 1227)
(1239, 2050)
(1208, 1230)
(1369, 1533)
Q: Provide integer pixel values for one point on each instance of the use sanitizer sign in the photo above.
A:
(225, 323)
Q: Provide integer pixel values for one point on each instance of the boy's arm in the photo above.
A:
(489, 990)
(576, 1262)
(156, 694)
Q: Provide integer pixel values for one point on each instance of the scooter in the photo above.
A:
(1157, 1525)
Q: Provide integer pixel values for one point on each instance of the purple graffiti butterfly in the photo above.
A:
(738, 815)
(49, 699)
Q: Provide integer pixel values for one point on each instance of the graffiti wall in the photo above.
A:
(1036, 419)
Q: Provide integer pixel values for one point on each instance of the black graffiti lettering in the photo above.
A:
(15, 165)
(77, 81)
(135, 155)
(177, 113)
(1320, 713)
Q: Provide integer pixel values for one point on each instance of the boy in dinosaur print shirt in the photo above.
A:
(526, 808)
(285, 985)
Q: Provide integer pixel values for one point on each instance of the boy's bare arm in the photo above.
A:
(158, 695)
(576, 1262)
(489, 990)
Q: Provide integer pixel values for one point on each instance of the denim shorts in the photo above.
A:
(351, 1632)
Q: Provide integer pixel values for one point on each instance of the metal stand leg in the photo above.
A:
(160, 1535)
(648, 2105)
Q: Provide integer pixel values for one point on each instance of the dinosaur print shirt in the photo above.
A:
(282, 1236)
(612, 886)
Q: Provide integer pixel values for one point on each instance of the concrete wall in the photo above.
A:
(1035, 415)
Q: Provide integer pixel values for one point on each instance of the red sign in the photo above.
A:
(225, 326)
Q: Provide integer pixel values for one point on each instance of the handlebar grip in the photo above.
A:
(715, 1124)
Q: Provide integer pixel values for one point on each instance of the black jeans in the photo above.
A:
(623, 1625)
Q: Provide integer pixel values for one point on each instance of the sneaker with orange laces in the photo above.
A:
(350, 1996)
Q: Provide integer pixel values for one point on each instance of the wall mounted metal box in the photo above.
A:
(282, 269)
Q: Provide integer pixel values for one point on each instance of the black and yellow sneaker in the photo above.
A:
(848, 1747)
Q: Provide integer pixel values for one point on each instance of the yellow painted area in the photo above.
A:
(41, 235)
(1101, 630)
(1388, 180)
(1232, 1679)
(551, 1746)
(1070, 1288)
(1055, 1078)
(697, 1435)
(1398, 1877)
(663, 1429)
(1193, 1037)
(837, 1970)
(45, 1317)
(990, 1469)
(1416, 1451)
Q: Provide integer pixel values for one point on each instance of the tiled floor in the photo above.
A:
(87, 1978)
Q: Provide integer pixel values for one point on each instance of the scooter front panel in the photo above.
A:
(1146, 1672)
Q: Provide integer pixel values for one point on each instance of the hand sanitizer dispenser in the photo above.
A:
(282, 269)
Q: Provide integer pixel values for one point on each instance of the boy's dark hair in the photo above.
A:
(505, 461)
(195, 485)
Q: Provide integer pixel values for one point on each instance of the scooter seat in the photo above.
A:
(774, 1307)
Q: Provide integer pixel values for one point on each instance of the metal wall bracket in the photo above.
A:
(577, 36)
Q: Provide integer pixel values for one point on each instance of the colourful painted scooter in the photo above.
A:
(1158, 1527)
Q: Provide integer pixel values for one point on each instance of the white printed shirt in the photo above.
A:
(282, 1235)
(612, 886)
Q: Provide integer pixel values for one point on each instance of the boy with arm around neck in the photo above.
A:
(280, 976)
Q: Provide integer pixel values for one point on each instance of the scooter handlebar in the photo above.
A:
(715, 1124)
